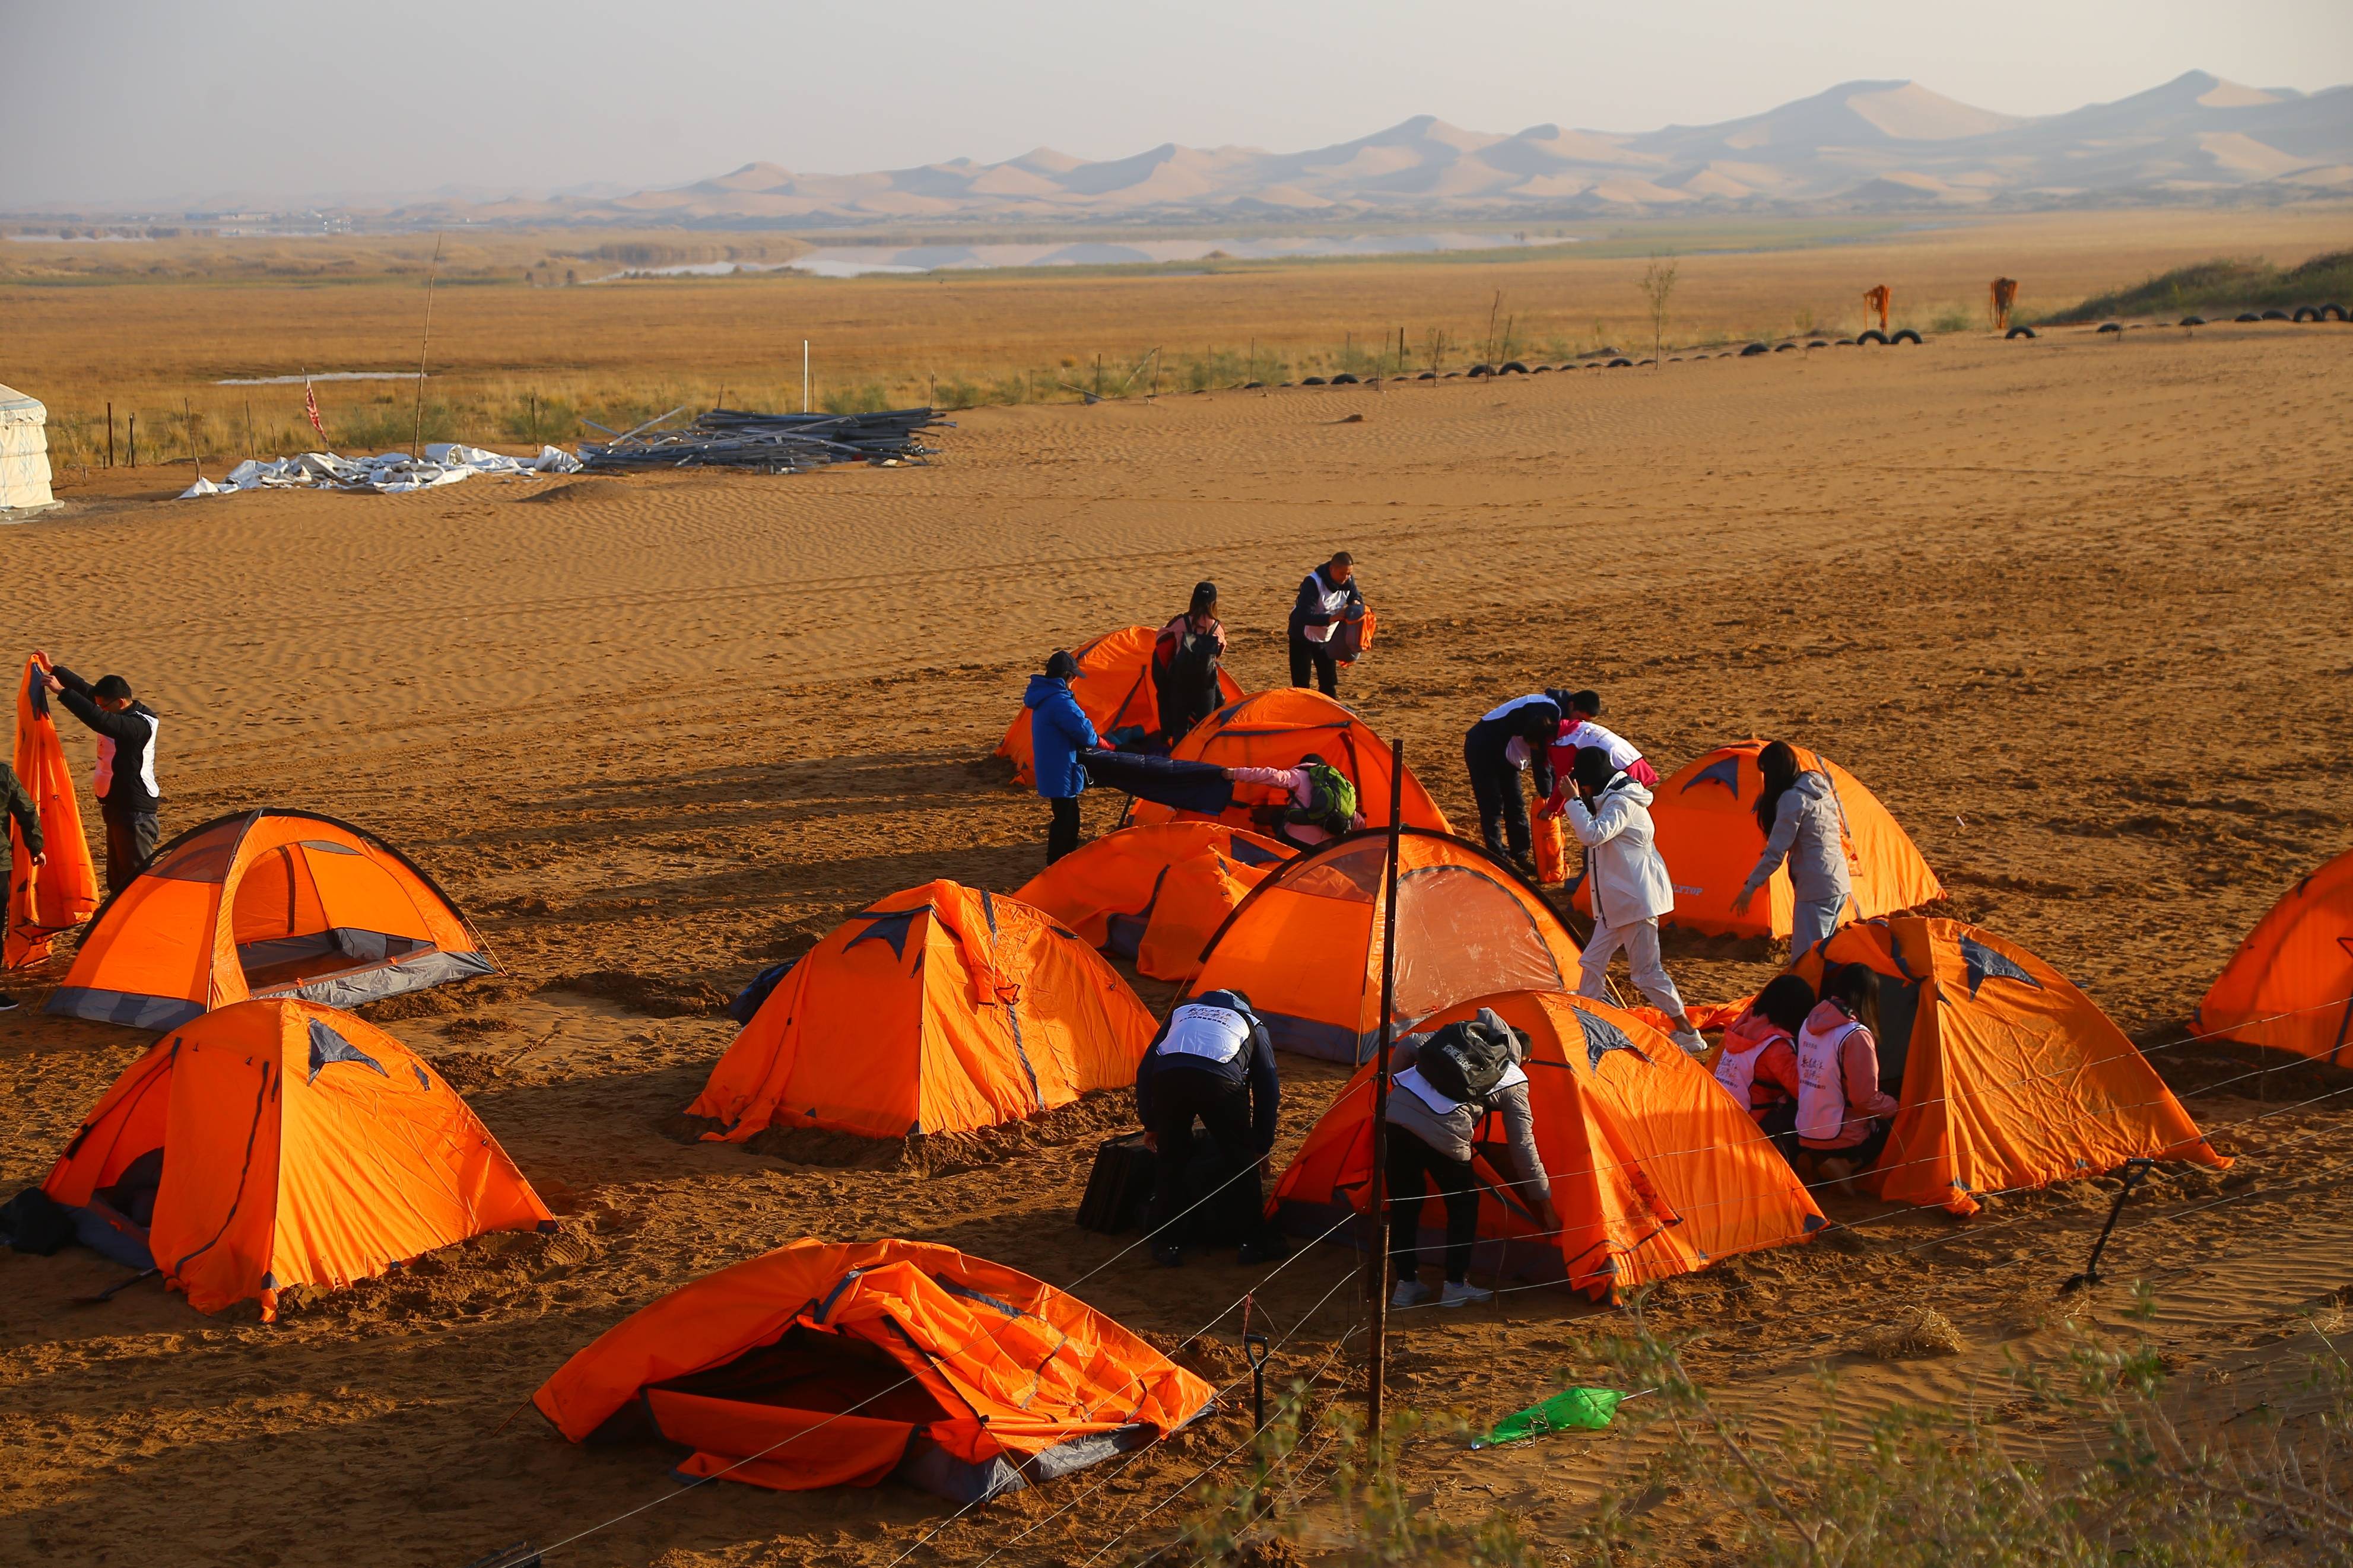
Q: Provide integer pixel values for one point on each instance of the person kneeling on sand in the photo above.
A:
(1448, 1081)
(1842, 1115)
(1610, 815)
(1059, 731)
(1759, 1067)
(1211, 1061)
(1322, 804)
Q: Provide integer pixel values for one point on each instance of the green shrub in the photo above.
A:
(2224, 286)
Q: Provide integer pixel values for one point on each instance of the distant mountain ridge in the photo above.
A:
(1860, 146)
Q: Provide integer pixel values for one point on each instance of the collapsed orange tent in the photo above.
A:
(275, 1143)
(940, 1009)
(267, 904)
(2005, 1075)
(1277, 730)
(1706, 819)
(2290, 984)
(1156, 894)
(1305, 945)
(47, 900)
(1655, 1171)
(1114, 689)
(827, 1364)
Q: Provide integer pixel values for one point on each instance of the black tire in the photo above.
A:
(1252, 385)
(1290, 383)
(1873, 336)
(2305, 313)
(1621, 362)
(1817, 343)
(1426, 376)
(1313, 381)
(1783, 348)
(1511, 368)
(1696, 358)
(2111, 326)
(2274, 315)
(1345, 378)
(1753, 350)
(2192, 322)
(1675, 359)
(2333, 313)
(1906, 335)
(2017, 333)
(1541, 370)
(2246, 316)
(1845, 342)
(1483, 370)
(1452, 375)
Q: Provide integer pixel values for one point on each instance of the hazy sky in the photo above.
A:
(112, 102)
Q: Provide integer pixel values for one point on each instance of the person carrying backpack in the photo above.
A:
(1803, 824)
(1059, 731)
(1325, 598)
(1504, 742)
(1211, 1061)
(1445, 1083)
(1610, 815)
(1322, 800)
(1184, 659)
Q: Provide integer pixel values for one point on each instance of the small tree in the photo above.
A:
(1658, 288)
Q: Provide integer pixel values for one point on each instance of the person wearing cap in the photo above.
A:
(127, 794)
(1184, 659)
(1211, 1062)
(1059, 731)
(19, 805)
(1325, 598)
(1610, 815)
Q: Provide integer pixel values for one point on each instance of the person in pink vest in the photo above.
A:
(1842, 1115)
(1315, 811)
(1758, 1065)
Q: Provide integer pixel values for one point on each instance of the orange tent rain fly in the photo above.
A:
(44, 901)
(1279, 728)
(2290, 984)
(1113, 689)
(1155, 895)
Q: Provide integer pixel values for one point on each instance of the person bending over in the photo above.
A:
(1804, 825)
(1211, 1062)
(1578, 730)
(1842, 1115)
(1321, 801)
(1610, 815)
(1504, 742)
(1325, 599)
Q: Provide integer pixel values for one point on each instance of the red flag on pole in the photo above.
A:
(311, 407)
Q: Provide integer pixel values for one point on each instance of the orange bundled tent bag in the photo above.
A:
(45, 900)
(2290, 984)
(940, 1009)
(1155, 895)
(1655, 1171)
(1707, 834)
(1280, 729)
(2005, 1075)
(1114, 689)
(267, 904)
(829, 1363)
(275, 1143)
(1305, 945)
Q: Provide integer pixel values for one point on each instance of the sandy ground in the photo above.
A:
(2073, 608)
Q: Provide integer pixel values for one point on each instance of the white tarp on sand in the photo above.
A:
(23, 453)
(390, 473)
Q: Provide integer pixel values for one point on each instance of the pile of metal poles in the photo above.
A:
(769, 443)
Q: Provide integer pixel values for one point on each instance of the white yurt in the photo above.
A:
(24, 454)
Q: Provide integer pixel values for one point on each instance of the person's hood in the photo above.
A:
(1624, 784)
(1813, 785)
(1044, 688)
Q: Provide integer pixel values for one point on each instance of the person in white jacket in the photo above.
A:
(1610, 815)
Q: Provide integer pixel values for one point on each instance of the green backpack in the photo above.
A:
(1330, 800)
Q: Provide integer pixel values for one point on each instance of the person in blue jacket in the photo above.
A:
(1059, 732)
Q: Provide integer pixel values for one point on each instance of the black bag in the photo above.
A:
(1119, 1189)
(1465, 1061)
(33, 1222)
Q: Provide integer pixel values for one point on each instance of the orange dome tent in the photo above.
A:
(1705, 814)
(2290, 984)
(1156, 894)
(1115, 690)
(1278, 729)
(1655, 1170)
(2005, 1074)
(940, 1009)
(267, 904)
(1305, 945)
(46, 900)
(275, 1143)
(826, 1364)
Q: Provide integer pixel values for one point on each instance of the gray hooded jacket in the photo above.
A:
(1806, 823)
(1450, 1132)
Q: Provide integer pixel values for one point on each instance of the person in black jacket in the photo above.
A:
(128, 795)
(19, 805)
(1211, 1060)
(1518, 735)
(1326, 597)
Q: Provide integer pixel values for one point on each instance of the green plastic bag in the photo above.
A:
(1571, 1410)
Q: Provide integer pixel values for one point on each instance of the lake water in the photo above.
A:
(863, 260)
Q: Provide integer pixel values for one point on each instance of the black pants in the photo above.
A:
(1315, 659)
(1503, 805)
(1413, 1165)
(1062, 834)
(131, 838)
(1861, 1155)
(1779, 1123)
(1232, 1208)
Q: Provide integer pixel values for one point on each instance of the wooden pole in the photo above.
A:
(248, 429)
(416, 434)
(109, 433)
(804, 377)
(188, 420)
(134, 441)
(1377, 1266)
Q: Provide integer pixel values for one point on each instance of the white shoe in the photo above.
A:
(1460, 1294)
(1692, 1042)
(1411, 1293)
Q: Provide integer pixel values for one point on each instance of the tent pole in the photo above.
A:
(1377, 1256)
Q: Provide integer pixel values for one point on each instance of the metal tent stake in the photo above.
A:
(1377, 1256)
(2133, 1171)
